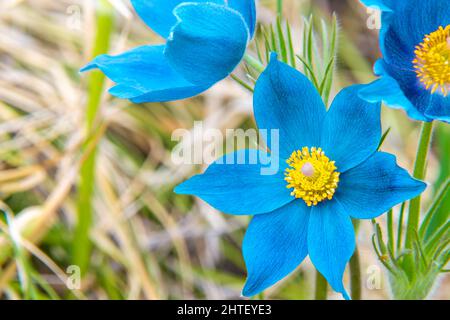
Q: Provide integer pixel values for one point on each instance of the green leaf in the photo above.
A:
(425, 232)
(281, 41)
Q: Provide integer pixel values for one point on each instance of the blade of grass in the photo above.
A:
(81, 244)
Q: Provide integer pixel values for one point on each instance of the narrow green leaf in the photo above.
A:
(435, 206)
(258, 50)
(390, 230)
(328, 73)
(254, 63)
(311, 72)
(292, 60)
(242, 83)
(281, 41)
(309, 56)
(436, 238)
(400, 226)
(383, 138)
(273, 41)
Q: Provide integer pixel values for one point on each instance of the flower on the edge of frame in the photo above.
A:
(330, 172)
(206, 40)
(415, 68)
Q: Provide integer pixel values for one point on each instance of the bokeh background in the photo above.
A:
(88, 210)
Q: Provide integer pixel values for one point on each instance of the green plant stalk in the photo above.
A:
(82, 244)
(321, 287)
(355, 268)
(355, 276)
(280, 7)
(390, 231)
(414, 208)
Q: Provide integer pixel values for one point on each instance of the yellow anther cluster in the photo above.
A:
(432, 62)
(311, 175)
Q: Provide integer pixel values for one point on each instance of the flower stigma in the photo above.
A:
(432, 62)
(311, 175)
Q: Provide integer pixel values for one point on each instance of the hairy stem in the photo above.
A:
(414, 208)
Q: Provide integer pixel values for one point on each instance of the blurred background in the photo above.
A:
(86, 180)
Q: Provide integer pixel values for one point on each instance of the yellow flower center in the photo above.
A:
(432, 62)
(311, 175)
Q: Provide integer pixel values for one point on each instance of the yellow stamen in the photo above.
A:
(432, 62)
(311, 175)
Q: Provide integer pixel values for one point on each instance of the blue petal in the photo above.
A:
(399, 89)
(286, 100)
(158, 14)
(248, 10)
(387, 90)
(274, 245)
(331, 242)
(384, 5)
(439, 108)
(207, 43)
(144, 75)
(375, 186)
(407, 27)
(237, 184)
(352, 129)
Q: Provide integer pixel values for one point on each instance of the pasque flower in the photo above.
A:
(206, 40)
(330, 172)
(415, 68)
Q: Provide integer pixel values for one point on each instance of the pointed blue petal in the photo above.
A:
(286, 100)
(375, 186)
(240, 184)
(331, 242)
(144, 75)
(274, 245)
(207, 43)
(158, 14)
(248, 10)
(419, 97)
(352, 129)
(387, 90)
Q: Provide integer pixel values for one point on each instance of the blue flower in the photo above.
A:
(415, 68)
(206, 40)
(329, 172)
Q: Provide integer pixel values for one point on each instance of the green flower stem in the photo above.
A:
(355, 276)
(355, 268)
(81, 244)
(414, 206)
(321, 287)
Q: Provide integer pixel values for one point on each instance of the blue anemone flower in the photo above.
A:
(329, 172)
(415, 68)
(206, 40)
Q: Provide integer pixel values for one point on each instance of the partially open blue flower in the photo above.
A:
(330, 172)
(415, 68)
(206, 40)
